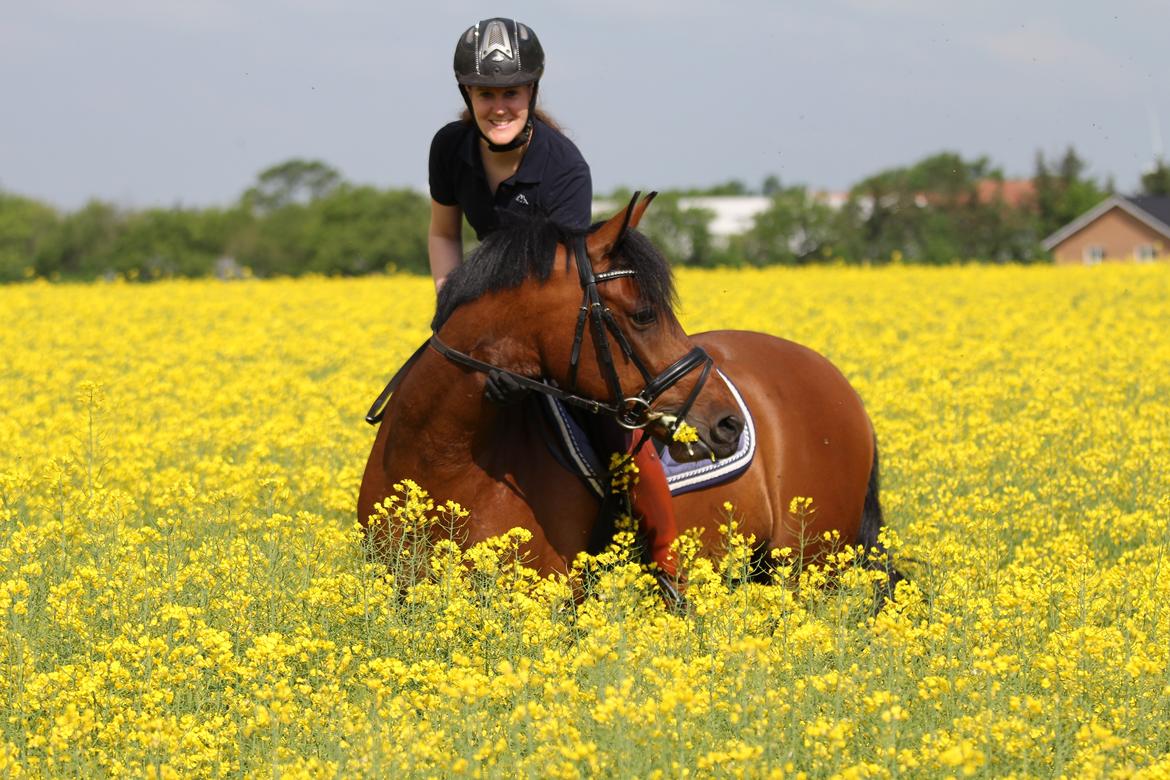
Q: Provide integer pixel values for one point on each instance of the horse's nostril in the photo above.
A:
(728, 429)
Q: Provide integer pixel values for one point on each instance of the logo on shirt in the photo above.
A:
(520, 199)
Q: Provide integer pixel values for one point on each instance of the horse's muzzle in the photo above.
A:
(715, 442)
(725, 435)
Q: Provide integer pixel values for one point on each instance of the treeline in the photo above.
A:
(303, 217)
(300, 217)
(943, 209)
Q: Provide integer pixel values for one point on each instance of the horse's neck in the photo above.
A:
(444, 436)
(437, 400)
(440, 422)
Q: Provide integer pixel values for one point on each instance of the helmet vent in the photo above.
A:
(495, 43)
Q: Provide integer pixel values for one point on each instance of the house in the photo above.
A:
(1118, 228)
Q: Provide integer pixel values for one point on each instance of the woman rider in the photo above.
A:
(505, 155)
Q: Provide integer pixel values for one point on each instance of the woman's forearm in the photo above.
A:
(446, 254)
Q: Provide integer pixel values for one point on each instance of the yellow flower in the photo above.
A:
(184, 592)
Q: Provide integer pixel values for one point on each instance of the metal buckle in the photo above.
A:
(635, 413)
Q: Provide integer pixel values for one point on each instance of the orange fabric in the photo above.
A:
(651, 503)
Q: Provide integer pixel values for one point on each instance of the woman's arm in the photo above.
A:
(444, 241)
(571, 198)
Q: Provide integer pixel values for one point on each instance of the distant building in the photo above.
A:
(835, 200)
(1118, 228)
(1016, 193)
(734, 214)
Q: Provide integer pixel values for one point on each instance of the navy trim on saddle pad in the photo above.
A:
(570, 446)
(576, 453)
(685, 477)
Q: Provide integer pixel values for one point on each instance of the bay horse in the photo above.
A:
(520, 304)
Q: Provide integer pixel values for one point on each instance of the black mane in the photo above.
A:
(521, 250)
(525, 250)
(655, 280)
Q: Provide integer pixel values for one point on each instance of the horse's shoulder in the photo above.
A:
(750, 345)
(751, 357)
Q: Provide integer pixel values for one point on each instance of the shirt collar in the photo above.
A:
(533, 163)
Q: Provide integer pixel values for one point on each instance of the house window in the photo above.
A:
(1145, 253)
(1094, 254)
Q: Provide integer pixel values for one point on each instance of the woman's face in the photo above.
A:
(500, 112)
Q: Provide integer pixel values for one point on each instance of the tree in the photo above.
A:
(683, 235)
(729, 187)
(84, 243)
(1063, 191)
(795, 229)
(351, 230)
(1157, 180)
(274, 243)
(174, 242)
(26, 226)
(292, 181)
(912, 212)
(356, 230)
(933, 212)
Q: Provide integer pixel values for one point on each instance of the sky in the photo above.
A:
(183, 102)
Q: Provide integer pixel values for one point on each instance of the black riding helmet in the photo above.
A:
(499, 52)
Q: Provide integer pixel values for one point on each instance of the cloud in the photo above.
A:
(1052, 49)
(652, 12)
(916, 8)
(166, 14)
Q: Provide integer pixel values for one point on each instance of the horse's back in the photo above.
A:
(814, 440)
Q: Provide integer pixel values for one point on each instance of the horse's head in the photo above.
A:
(636, 288)
(601, 326)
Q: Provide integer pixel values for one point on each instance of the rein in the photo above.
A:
(632, 412)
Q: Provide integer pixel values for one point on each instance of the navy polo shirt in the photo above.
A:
(553, 178)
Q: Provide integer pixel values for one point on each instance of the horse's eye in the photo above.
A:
(644, 317)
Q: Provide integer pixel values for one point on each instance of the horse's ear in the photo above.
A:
(606, 238)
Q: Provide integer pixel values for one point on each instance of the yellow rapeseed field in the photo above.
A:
(183, 591)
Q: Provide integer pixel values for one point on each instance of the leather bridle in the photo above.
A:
(630, 411)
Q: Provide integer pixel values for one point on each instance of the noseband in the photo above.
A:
(633, 411)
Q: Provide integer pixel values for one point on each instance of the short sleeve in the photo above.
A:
(441, 166)
(570, 198)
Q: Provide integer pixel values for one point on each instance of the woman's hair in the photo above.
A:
(467, 119)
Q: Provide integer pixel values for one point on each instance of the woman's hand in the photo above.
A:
(503, 389)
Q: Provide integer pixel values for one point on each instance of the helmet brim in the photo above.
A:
(484, 80)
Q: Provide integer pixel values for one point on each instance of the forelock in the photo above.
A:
(655, 281)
